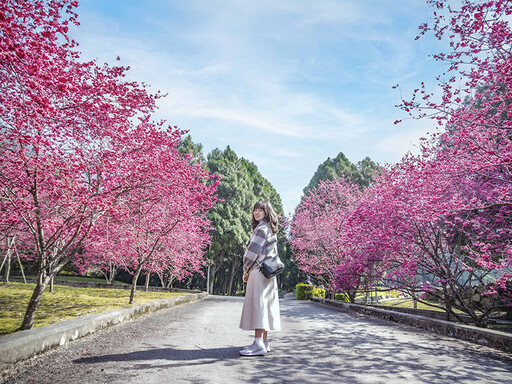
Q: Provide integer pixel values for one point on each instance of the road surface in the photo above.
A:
(199, 343)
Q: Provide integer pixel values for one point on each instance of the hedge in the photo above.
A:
(307, 291)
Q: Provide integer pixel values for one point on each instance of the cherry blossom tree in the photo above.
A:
(316, 231)
(411, 238)
(475, 111)
(439, 223)
(74, 141)
(166, 212)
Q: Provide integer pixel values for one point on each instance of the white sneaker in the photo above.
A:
(267, 347)
(254, 350)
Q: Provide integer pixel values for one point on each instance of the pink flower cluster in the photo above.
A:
(84, 171)
(440, 222)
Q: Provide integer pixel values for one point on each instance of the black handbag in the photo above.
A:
(271, 267)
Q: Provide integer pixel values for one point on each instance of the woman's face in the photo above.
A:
(259, 214)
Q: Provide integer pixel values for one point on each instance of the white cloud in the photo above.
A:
(406, 138)
(286, 83)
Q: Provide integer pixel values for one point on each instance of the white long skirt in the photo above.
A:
(261, 304)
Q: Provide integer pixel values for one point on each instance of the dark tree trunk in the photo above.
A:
(231, 277)
(28, 320)
(213, 271)
(225, 285)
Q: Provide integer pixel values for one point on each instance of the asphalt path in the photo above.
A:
(199, 343)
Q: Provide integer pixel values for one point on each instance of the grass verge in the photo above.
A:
(409, 303)
(64, 303)
(85, 279)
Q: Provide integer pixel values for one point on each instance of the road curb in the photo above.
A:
(26, 344)
(490, 338)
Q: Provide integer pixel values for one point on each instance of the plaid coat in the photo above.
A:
(263, 244)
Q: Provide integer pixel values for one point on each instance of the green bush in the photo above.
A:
(307, 291)
(304, 291)
(341, 297)
(319, 292)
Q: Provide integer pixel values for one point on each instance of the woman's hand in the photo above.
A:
(245, 278)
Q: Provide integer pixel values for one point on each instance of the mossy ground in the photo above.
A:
(63, 303)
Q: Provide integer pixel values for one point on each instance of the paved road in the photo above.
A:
(199, 343)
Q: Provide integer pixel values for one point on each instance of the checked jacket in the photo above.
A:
(262, 245)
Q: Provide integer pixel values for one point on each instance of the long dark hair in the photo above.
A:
(270, 215)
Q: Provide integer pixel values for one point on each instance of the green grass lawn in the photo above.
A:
(408, 303)
(64, 303)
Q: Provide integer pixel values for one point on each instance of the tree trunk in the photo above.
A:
(225, 287)
(213, 271)
(447, 302)
(7, 266)
(352, 295)
(111, 273)
(3, 262)
(208, 278)
(28, 320)
(414, 300)
(161, 278)
(51, 283)
(146, 286)
(21, 267)
(8, 258)
(231, 277)
(134, 285)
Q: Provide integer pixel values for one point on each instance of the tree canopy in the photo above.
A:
(241, 185)
(361, 173)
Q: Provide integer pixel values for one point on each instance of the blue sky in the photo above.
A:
(285, 83)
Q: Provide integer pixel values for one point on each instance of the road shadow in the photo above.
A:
(170, 354)
(351, 348)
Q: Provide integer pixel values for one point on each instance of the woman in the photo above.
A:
(261, 305)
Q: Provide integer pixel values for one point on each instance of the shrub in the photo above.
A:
(319, 292)
(307, 291)
(304, 291)
(341, 297)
